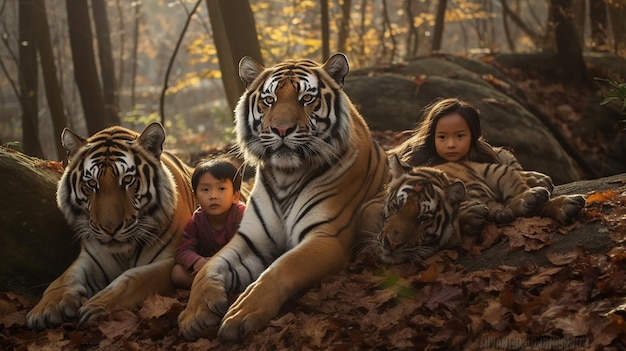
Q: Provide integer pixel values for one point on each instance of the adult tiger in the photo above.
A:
(128, 202)
(429, 208)
(316, 164)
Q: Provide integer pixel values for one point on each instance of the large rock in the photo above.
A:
(394, 101)
(36, 244)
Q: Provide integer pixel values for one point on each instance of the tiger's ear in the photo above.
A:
(398, 168)
(152, 139)
(456, 192)
(249, 69)
(337, 67)
(71, 142)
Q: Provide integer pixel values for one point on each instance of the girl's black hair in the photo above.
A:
(420, 149)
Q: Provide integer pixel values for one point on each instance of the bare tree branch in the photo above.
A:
(171, 62)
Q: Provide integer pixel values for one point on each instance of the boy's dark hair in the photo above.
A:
(220, 168)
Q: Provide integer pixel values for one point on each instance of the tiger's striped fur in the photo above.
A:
(531, 178)
(425, 209)
(420, 214)
(316, 164)
(128, 203)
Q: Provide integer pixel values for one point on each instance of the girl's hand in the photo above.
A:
(198, 265)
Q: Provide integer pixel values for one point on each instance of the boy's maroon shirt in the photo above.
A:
(200, 239)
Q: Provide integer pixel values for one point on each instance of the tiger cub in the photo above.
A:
(429, 208)
(128, 202)
(316, 165)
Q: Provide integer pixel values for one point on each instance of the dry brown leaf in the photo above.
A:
(156, 305)
(530, 233)
(562, 259)
(493, 313)
(120, 323)
(428, 320)
(53, 165)
(316, 328)
(428, 276)
(605, 332)
(600, 197)
(446, 295)
(419, 80)
(46, 345)
(401, 339)
(55, 335)
(543, 276)
(575, 325)
(489, 235)
(14, 318)
(10, 302)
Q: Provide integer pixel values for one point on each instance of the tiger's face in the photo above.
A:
(286, 120)
(420, 213)
(114, 189)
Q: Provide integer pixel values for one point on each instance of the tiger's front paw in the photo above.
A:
(504, 216)
(533, 200)
(55, 307)
(91, 312)
(565, 208)
(207, 304)
(472, 218)
(252, 311)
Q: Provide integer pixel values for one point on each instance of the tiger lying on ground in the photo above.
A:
(429, 208)
(316, 164)
(531, 178)
(128, 202)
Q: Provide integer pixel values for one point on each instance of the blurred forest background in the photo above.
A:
(90, 64)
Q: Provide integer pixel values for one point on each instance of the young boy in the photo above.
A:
(217, 187)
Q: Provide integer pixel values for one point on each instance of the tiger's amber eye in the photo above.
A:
(91, 183)
(127, 180)
(269, 100)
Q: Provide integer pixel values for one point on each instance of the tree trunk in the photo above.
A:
(235, 36)
(388, 27)
(133, 60)
(505, 25)
(572, 68)
(344, 29)
(85, 69)
(617, 13)
(412, 38)
(439, 23)
(507, 14)
(28, 77)
(325, 28)
(599, 25)
(51, 82)
(362, 27)
(107, 65)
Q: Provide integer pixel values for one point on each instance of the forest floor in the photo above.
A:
(578, 302)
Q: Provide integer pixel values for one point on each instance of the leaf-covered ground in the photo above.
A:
(577, 302)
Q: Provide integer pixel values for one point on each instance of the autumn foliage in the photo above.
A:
(575, 302)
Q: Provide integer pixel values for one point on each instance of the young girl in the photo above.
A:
(217, 187)
(449, 132)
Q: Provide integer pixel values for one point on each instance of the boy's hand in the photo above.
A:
(199, 263)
